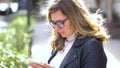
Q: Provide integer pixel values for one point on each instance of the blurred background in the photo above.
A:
(25, 32)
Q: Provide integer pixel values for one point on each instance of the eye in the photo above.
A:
(59, 23)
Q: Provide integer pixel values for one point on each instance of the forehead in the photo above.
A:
(57, 15)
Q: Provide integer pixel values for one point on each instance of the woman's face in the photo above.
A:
(58, 18)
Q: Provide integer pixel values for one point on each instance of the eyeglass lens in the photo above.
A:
(59, 24)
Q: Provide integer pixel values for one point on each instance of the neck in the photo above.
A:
(71, 37)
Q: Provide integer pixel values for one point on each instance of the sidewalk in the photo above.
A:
(112, 52)
(41, 48)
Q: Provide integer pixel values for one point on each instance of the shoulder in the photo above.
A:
(89, 43)
(92, 42)
(92, 47)
(88, 40)
(91, 53)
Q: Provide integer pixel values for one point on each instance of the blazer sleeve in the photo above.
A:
(93, 55)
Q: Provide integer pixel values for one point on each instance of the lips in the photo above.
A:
(62, 33)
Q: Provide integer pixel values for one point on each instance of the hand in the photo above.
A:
(39, 65)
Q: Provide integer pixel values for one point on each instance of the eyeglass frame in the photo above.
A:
(54, 24)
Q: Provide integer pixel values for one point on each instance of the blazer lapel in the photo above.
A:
(72, 54)
(52, 56)
(68, 58)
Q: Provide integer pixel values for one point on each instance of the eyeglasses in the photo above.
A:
(59, 23)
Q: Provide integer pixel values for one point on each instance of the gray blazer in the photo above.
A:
(86, 52)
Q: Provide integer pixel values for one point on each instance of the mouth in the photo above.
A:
(62, 33)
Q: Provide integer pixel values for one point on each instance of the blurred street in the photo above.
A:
(41, 47)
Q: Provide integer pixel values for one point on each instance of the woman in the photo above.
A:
(78, 37)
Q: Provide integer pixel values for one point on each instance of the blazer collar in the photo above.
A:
(79, 41)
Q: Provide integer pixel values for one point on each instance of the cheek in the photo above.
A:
(69, 27)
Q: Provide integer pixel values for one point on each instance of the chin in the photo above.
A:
(63, 36)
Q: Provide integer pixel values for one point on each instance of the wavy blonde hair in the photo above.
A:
(85, 23)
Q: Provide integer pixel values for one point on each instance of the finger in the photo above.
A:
(35, 65)
(47, 65)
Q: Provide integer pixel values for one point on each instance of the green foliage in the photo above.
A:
(40, 1)
(14, 43)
